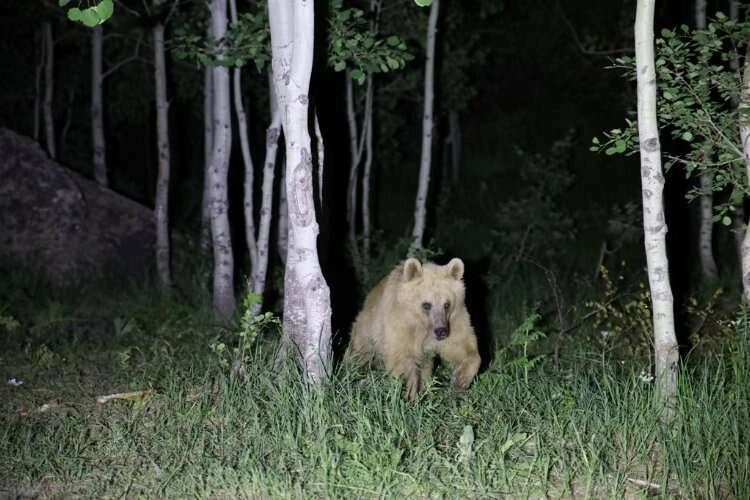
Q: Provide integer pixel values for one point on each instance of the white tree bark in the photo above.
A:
(355, 155)
(706, 224)
(366, 173)
(161, 202)
(223, 282)
(247, 158)
(745, 138)
(49, 88)
(738, 216)
(307, 303)
(97, 102)
(208, 140)
(420, 208)
(654, 223)
(266, 209)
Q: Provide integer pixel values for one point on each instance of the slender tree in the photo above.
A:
(97, 106)
(355, 156)
(49, 89)
(223, 273)
(161, 201)
(745, 138)
(247, 157)
(208, 138)
(738, 215)
(654, 222)
(706, 229)
(273, 131)
(307, 302)
(38, 81)
(366, 174)
(420, 208)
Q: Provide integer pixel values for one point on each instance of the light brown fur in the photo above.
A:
(396, 329)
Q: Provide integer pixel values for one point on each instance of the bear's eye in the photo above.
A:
(426, 306)
(447, 306)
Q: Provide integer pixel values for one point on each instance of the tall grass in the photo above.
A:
(588, 431)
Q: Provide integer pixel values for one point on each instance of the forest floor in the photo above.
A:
(586, 429)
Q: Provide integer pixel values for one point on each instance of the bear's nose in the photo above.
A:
(441, 333)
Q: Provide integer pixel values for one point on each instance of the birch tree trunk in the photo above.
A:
(49, 88)
(654, 223)
(355, 155)
(745, 138)
(420, 208)
(247, 158)
(738, 215)
(706, 227)
(97, 114)
(266, 208)
(161, 202)
(307, 303)
(38, 80)
(223, 282)
(366, 178)
(208, 140)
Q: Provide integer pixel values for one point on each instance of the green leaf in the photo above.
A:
(339, 66)
(726, 220)
(358, 75)
(423, 3)
(687, 136)
(74, 14)
(104, 10)
(393, 41)
(620, 146)
(595, 140)
(89, 17)
(665, 33)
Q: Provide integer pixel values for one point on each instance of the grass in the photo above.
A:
(589, 430)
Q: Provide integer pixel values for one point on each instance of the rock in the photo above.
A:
(55, 221)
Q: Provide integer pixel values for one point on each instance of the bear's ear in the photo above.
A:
(456, 269)
(412, 269)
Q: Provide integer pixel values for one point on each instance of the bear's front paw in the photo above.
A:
(464, 375)
(412, 387)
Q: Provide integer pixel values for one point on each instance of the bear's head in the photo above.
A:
(432, 294)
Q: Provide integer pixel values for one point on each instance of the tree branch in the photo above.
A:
(125, 61)
(578, 42)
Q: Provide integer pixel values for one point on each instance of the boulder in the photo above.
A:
(57, 222)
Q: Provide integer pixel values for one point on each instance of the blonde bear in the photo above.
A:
(414, 314)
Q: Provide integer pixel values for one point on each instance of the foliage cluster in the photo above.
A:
(356, 44)
(92, 15)
(701, 104)
(242, 342)
(247, 40)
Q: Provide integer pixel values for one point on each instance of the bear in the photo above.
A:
(414, 314)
